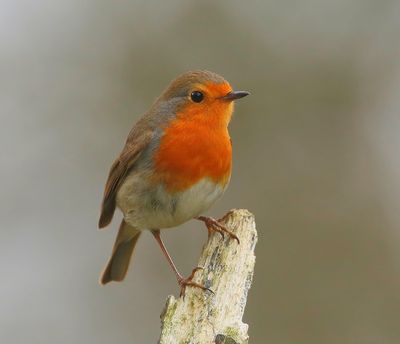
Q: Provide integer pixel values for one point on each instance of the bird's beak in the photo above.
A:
(233, 95)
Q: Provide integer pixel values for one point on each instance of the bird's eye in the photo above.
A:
(197, 96)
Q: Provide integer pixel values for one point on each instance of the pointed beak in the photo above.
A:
(233, 95)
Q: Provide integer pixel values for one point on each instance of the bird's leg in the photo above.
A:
(215, 225)
(183, 282)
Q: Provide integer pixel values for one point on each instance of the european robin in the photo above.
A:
(175, 164)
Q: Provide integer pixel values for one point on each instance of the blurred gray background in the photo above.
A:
(316, 159)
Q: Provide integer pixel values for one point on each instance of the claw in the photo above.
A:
(184, 282)
(216, 226)
(215, 229)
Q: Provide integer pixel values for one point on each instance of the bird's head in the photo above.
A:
(201, 95)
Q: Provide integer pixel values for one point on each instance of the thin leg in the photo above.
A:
(157, 236)
(183, 282)
(215, 225)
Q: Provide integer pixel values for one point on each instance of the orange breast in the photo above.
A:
(194, 146)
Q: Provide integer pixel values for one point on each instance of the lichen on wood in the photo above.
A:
(202, 317)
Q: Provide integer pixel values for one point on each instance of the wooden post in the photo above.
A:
(202, 317)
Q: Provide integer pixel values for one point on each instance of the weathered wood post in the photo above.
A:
(202, 317)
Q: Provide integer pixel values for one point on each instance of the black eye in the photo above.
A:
(197, 96)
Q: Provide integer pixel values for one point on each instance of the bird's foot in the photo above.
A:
(216, 226)
(185, 282)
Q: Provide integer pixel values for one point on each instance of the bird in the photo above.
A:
(175, 164)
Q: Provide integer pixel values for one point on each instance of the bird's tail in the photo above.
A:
(118, 264)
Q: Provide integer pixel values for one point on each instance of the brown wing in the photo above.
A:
(137, 141)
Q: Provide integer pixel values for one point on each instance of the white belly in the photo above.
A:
(154, 208)
(199, 198)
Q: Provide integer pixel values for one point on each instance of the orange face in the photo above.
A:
(196, 144)
(205, 104)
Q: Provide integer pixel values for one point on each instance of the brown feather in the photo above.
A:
(136, 142)
(121, 255)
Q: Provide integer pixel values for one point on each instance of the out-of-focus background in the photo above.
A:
(316, 158)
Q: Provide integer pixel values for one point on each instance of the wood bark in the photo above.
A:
(202, 317)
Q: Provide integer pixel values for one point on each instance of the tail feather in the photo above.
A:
(121, 255)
